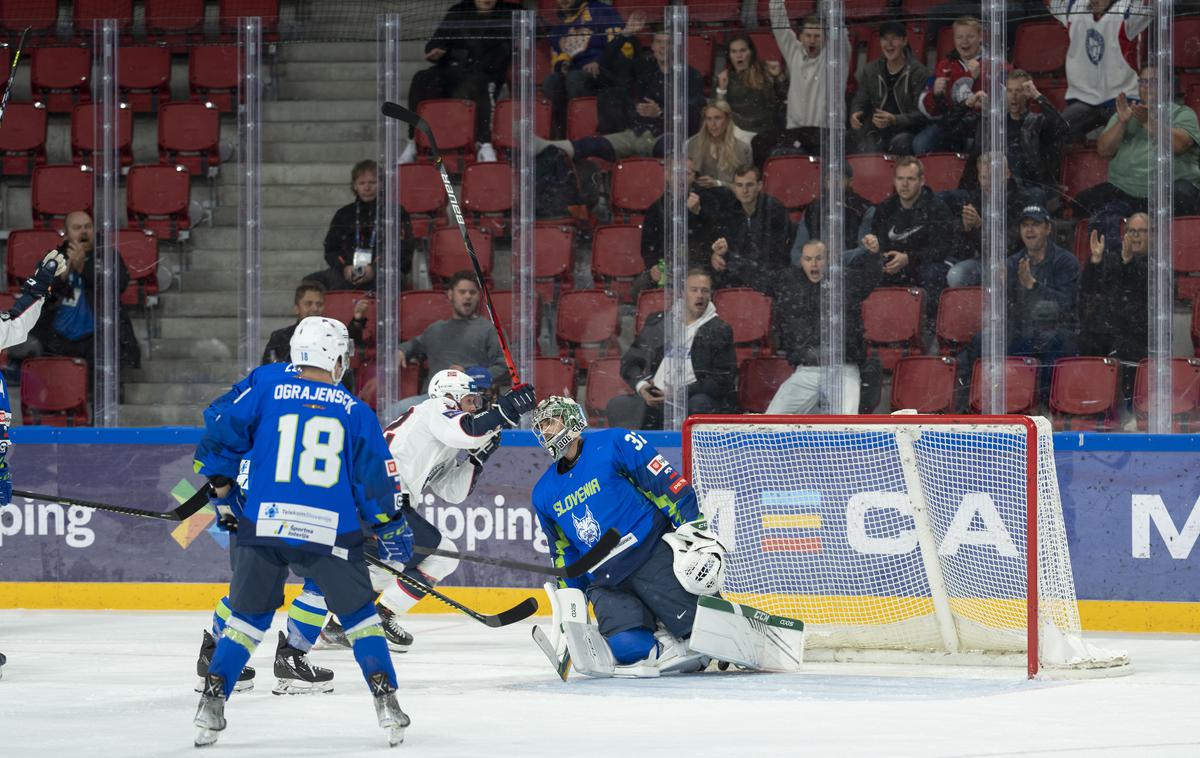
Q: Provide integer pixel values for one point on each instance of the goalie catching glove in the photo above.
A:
(699, 560)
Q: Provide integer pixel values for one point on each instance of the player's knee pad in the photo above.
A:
(631, 645)
(438, 567)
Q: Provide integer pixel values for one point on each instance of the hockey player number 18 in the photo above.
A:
(320, 461)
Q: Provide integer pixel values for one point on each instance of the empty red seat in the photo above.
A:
(213, 75)
(700, 47)
(959, 318)
(1020, 385)
(453, 125)
(617, 258)
(420, 308)
(139, 252)
(943, 170)
(229, 11)
(794, 180)
(554, 376)
(858, 9)
(1185, 394)
(766, 46)
(25, 248)
(748, 313)
(1082, 169)
(174, 23)
(23, 139)
(59, 76)
(945, 41)
(872, 175)
(423, 195)
(448, 255)
(144, 76)
(503, 122)
(892, 323)
(924, 383)
(758, 381)
(57, 191)
(554, 246)
(1040, 47)
(604, 382)
(582, 118)
(713, 11)
(54, 391)
(586, 326)
(157, 198)
(86, 12)
(1185, 255)
(189, 134)
(921, 8)
(84, 132)
(650, 301)
(1083, 392)
(487, 196)
(637, 183)
(40, 15)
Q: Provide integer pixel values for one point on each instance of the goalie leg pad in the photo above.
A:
(746, 636)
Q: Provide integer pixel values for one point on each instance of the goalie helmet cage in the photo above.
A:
(903, 538)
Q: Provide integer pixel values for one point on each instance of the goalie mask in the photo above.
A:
(699, 560)
(455, 385)
(566, 411)
(319, 342)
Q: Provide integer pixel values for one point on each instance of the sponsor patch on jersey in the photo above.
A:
(656, 465)
(293, 521)
(678, 485)
(452, 414)
(392, 468)
(398, 500)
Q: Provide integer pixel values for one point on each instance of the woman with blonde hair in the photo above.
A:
(714, 151)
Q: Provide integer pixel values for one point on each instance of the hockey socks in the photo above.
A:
(242, 635)
(220, 617)
(306, 616)
(365, 633)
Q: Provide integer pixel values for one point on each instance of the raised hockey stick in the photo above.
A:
(521, 610)
(400, 113)
(12, 74)
(186, 509)
(579, 567)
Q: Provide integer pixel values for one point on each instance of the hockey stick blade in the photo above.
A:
(186, 509)
(400, 113)
(561, 665)
(521, 610)
(584, 564)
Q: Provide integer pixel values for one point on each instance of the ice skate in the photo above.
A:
(398, 640)
(391, 718)
(295, 675)
(210, 714)
(332, 636)
(208, 646)
(673, 656)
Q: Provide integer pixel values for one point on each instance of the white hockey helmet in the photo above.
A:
(573, 419)
(455, 385)
(699, 560)
(320, 342)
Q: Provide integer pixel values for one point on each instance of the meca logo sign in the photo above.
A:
(1149, 509)
(959, 533)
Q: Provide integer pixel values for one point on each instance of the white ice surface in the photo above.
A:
(120, 684)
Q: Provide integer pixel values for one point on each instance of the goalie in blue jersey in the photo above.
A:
(312, 466)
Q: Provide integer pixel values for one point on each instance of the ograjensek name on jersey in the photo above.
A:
(327, 394)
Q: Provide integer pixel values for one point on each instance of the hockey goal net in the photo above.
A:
(904, 537)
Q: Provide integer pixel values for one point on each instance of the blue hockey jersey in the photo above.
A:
(313, 460)
(211, 457)
(620, 482)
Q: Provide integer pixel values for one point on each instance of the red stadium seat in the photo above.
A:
(1196, 327)
(554, 376)
(797, 9)
(748, 313)
(139, 251)
(1020, 385)
(759, 379)
(144, 76)
(945, 41)
(617, 259)
(83, 133)
(1186, 42)
(1055, 91)
(637, 183)
(213, 75)
(713, 12)
(915, 39)
(420, 308)
(604, 382)
(766, 46)
(229, 11)
(794, 180)
(504, 302)
(453, 125)
(423, 195)
(58, 190)
(872, 175)
(650, 301)
(701, 48)
(554, 246)
(858, 9)
(86, 12)
(582, 118)
(487, 197)
(959, 318)
(1040, 47)
(586, 326)
(924, 383)
(25, 248)
(23, 139)
(1083, 248)
(189, 134)
(59, 76)
(502, 122)
(157, 198)
(942, 170)
(1082, 169)
(892, 323)
(54, 391)
(340, 304)
(1083, 393)
(448, 255)
(175, 23)
(921, 8)
(1185, 394)
(1185, 256)
(40, 15)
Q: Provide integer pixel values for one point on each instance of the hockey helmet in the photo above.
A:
(455, 385)
(573, 419)
(320, 342)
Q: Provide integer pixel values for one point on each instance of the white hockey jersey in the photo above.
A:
(1102, 56)
(15, 326)
(425, 444)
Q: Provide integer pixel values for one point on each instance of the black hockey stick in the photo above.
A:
(521, 610)
(579, 567)
(400, 113)
(12, 74)
(186, 509)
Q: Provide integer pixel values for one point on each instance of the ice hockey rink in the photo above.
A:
(95, 683)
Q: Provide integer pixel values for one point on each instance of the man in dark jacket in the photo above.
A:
(884, 114)
(1115, 290)
(758, 236)
(711, 363)
(1043, 293)
(967, 205)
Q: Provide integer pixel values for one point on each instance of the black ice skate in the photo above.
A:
(210, 714)
(207, 647)
(295, 675)
(332, 636)
(398, 640)
(391, 718)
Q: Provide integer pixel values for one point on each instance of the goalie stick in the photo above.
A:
(518, 612)
(400, 113)
(579, 567)
(12, 74)
(185, 510)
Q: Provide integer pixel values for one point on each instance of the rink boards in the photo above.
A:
(1131, 506)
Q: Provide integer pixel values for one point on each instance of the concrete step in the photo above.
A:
(357, 130)
(225, 237)
(216, 280)
(325, 71)
(293, 195)
(162, 415)
(275, 174)
(185, 370)
(181, 304)
(276, 111)
(313, 218)
(348, 153)
(198, 329)
(326, 51)
(306, 258)
(329, 90)
(198, 394)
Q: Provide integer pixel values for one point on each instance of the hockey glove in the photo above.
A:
(515, 402)
(395, 538)
(38, 284)
(229, 508)
(5, 475)
(480, 454)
